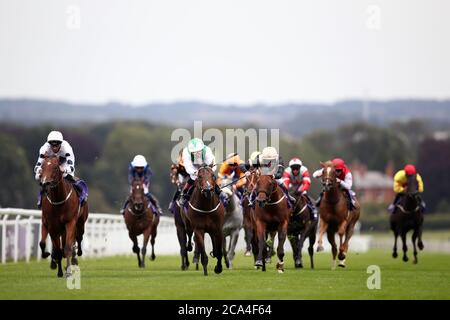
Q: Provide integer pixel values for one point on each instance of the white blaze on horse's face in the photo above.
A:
(328, 171)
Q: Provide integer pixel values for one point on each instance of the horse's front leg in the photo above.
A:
(394, 250)
(233, 242)
(57, 253)
(153, 233)
(405, 247)
(144, 245)
(260, 235)
(133, 238)
(414, 238)
(200, 246)
(300, 241)
(282, 233)
(341, 233)
(218, 245)
(322, 229)
(44, 235)
(69, 243)
(224, 251)
(332, 241)
(293, 239)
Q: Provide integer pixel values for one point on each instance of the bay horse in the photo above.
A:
(206, 214)
(140, 219)
(184, 230)
(408, 215)
(335, 216)
(63, 217)
(271, 215)
(233, 220)
(301, 227)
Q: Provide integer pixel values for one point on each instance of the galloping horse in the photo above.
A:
(140, 219)
(271, 214)
(334, 214)
(300, 227)
(184, 230)
(408, 216)
(206, 214)
(63, 217)
(232, 225)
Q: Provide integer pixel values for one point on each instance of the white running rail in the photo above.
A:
(105, 235)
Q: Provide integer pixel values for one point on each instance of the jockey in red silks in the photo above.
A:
(296, 178)
(345, 179)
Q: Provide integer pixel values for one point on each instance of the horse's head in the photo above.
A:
(52, 173)
(265, 186)
(328, 176)
(137, 196)
(251, 180)
(205, 181)
(412, 185)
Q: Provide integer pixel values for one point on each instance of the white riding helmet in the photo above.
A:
(269, 153)
(295, 161)
(195, 145)
(139, 161)
(55, 136)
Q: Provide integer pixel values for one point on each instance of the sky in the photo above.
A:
(237, 52)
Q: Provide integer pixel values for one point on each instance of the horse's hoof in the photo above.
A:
(341, 256)
(45, 255)
(280, 266)
(420, 245)
(247, 253)
(60, 274)
(218, 269)
(394, 255)
(53, 264)
(415, 261)
(74, 261)
(258, 263)
(342, 264)
(153, 257)
(205, 272)
(405, 258)
(79, 252)
(280, 271)
(319, 248)
(299, 265)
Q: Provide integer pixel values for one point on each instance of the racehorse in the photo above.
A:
(300, 227)
(63, 216)
(248, 213)
(407, 216)
(233, 220)
(184, 230)
(271, 214)
(140, 219)
(334, 215)
(206, 214)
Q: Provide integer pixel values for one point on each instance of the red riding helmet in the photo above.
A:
(410, 169)
(338, 163)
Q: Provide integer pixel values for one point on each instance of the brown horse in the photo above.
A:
(63, 217)
(248, 211)
(334, 215)
(407, 216)
(206, 214)
(140, 219)
(271, 215)
(184, 230)
(300, 227)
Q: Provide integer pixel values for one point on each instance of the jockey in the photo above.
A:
(57, 146)
(180, 179)
(139, 168)
(296, 177)
(345, 179)
(232, 166)
(194, 156)
(270, 163)
(400, 182)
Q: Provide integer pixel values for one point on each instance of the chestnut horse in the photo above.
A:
(206, 214)
(271, 214)
(407, 216)
(140, 219)
(184, 230)
(334, 215)
(300, 227)
(63, 217)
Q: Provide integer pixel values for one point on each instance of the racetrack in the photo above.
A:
(120, 278)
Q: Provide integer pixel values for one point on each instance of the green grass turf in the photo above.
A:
(120, 278)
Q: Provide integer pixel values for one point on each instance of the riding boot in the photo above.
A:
(350, 206)
(222, 195)
(186, 193)
(122, 211)
(174, 199)
(39, 203)
(312, 207)
(291, 199)
(391, 207)
(155, 203)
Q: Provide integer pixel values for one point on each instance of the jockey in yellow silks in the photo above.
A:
(400, 182)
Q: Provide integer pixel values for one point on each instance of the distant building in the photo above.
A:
(373, 186)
